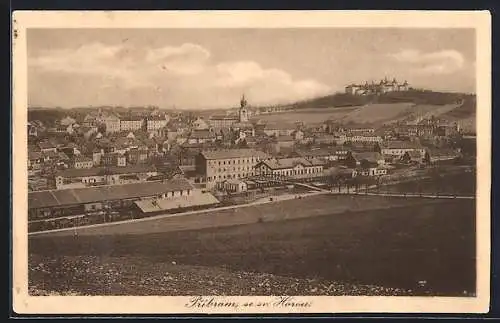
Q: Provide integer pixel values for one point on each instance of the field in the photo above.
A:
(309, 116)
(460, 184)
(371, 114)
(425, 249)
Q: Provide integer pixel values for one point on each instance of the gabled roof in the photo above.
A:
(285, 163)
(46, 145)
(401, 145)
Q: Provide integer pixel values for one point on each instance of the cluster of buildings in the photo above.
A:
(158, 163)
(113, 123)
(376, 88)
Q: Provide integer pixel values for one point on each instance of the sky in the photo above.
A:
(212, 68)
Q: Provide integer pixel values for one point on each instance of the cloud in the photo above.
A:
(440, 62)
(186, 76)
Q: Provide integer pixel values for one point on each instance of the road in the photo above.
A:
(419, 195)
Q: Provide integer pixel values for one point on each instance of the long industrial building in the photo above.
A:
(78, 201)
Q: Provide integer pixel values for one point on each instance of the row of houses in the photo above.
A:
(221, 165)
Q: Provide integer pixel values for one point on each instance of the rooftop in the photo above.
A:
(100, 171)
(196, 199)
(283, 163)
(82, 159)
(73, 196)
(201, 134)
(233, 153)
(400, 145)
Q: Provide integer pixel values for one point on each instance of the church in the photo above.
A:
(239, 121)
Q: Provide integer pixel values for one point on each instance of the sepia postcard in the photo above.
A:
(251, 162)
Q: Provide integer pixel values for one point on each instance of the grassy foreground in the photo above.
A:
(424, 249)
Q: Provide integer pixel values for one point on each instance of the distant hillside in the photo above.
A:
(412, 96)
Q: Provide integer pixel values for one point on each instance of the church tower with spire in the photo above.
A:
(243, 113)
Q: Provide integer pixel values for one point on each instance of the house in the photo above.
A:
(325, 139)
(200, 137)
(82, 162)
(50, 156)
(87, 131)
(364, 138)
(220, 164)
(441, 155)
(35, 127)
(220, 121)
(298, 135)
(359, 130)
(46, 146)
(181, 140)
(234, 186)
(355, 159)
(131, 124)
(369, 171)
(155, 123)
(112, 123)
(108, 159)
(137, 155)
(285, 141)
(200, 124)
(66, 121)
(35, 160)
(279, 129)
(190, 200)
(121, 160)
(411, 157)
(96, 156)
(295, 167)
(111, 175)
(70, 149)
(399, 148)
(319, 153)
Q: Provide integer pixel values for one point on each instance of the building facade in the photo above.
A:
(294, 168)
(156, 123)
(219, 165)
(399, 148)
(131, 124)
(83, 162)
